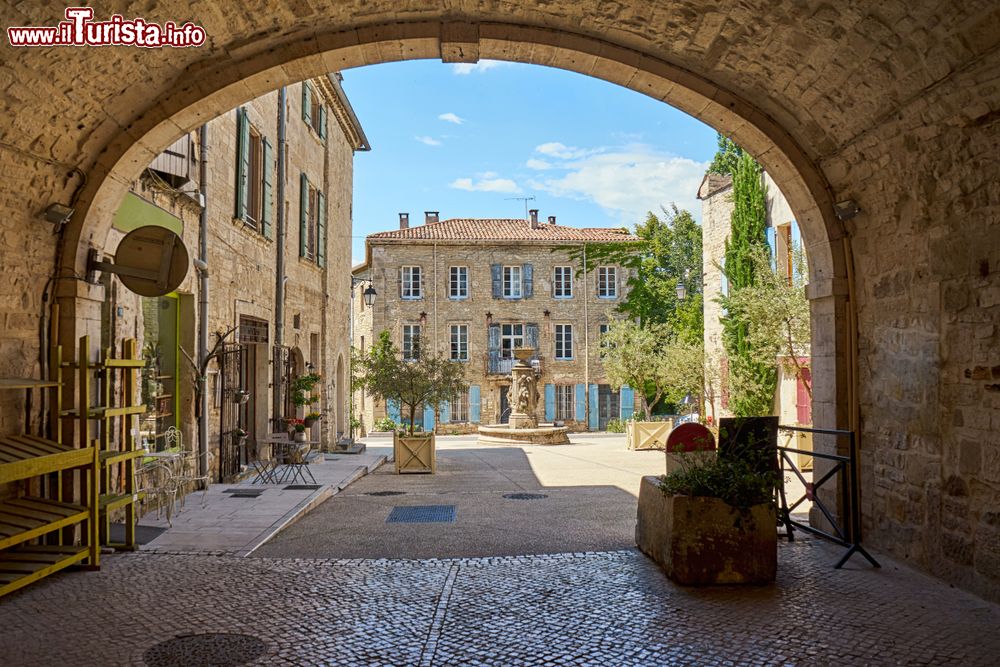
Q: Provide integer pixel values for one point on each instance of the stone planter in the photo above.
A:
(704, 541)
(414, 453)
(647, 435)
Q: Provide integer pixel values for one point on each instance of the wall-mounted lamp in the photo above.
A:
(845, 210)
(58, 215)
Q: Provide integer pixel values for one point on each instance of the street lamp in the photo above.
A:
(681, 291)
(369, 295)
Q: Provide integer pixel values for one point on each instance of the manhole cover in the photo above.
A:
(208, 650)
(422, 514)
(386, 493)
(301, 487)
(524, 496)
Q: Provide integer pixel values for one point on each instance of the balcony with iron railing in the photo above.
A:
(496, 365)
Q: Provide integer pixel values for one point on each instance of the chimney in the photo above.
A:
(430, 216)
(534, 218)
(552, 219)
(404, 220)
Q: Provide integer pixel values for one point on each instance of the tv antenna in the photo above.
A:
(525, 200)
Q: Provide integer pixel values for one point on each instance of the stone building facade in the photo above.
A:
(791, 399)
(244, 241)
(472, 290)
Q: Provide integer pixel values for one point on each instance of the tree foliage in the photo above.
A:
(751, 380)
(652, 360)
(429, 381)
(727, 157)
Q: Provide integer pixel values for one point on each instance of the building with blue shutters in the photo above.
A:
(473, 290)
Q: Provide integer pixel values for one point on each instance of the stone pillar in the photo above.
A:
(523, 394)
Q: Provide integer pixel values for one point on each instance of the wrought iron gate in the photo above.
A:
(233, 426)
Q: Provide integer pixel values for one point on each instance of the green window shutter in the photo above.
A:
(303, 213)
(307, 102)
(267, 214)
(321, 229)
(322, 122)
(242, 162)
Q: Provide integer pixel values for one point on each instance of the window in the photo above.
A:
(607, 282)
(564, 341)
(254, 185)
(460, 408)
(458, 282)
(564, 402)
(312, 222)
(459, 342)
(511, 336)
(411, 285)
(252, 330)
(411, 342)
(313, 111)
(562, 284)
(255, 181)
(512, 282)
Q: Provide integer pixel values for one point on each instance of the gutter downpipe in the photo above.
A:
(203, 307)
(279, 268)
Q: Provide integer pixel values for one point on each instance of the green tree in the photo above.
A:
(727, 157)
(752, 380)
(429, 381)
(652, 360)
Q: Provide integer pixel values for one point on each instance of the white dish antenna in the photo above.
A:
(150, 261)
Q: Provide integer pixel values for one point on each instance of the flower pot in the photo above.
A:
(299, 436)
(414, 453)
(309, 421)
(705, 541)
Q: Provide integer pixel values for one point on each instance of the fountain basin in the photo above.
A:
(540, 435)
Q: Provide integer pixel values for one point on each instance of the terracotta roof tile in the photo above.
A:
(502, 229)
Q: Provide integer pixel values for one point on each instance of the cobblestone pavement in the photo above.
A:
(602, 608)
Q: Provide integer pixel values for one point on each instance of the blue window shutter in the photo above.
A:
(628, 402)
(392, 410)
(242, 162)
(303, 213)
(267, 214)
(474, 404)
(528, 275)
(429, 418)
(322, 123)
(320, 229)
(445, 411)
(307, 102)
(550, 402)
(581, 402)
(772, 244)
(497, 274)
(594, 412)
(531, 336)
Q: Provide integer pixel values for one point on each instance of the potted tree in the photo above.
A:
(656, 363)
(714, 520)
(425, 381)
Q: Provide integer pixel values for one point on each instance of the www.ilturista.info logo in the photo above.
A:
(79, 29)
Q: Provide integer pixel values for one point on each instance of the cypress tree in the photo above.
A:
(752, 383)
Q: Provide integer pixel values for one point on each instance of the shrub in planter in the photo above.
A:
(713, 521)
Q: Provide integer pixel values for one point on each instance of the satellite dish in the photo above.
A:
(150, 261)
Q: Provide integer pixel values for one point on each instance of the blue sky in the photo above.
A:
(464, 139)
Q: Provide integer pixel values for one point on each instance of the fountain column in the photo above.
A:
(523, 391)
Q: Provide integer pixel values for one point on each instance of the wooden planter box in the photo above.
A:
(704, 541)
(414, 454)
(647, 435)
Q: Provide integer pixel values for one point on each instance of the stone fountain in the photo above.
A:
(522, 426)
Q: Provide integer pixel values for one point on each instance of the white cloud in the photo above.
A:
(430, 141)
(564, 152)
(479, 68)
(540, 165)
(485, 183)
(451, 118)
(626, 181)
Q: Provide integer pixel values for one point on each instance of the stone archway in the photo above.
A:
(892, 106)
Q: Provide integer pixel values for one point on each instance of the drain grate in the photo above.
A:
(207, 650)
(524, 496)
(422, 514)
(244, 492)
(301, 487)
(386, 493)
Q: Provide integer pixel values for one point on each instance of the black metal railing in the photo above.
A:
(845, 526)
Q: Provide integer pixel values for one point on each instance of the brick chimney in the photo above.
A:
(533, 213)
(404, 220)
(552, 219)
(430, 216)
